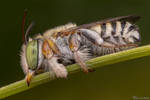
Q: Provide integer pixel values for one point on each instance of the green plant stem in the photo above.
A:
(98, 62)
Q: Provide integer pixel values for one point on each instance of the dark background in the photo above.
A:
(120, 81)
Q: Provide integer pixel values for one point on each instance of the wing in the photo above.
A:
(129, 18)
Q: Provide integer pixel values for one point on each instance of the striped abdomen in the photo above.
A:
(118, 32)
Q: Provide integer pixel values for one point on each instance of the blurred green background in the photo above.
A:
(120, 81)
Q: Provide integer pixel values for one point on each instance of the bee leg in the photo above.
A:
(91, 36)
(51, 58)
(59, 69)
(95, 38)
(80, 62)
(74, 46)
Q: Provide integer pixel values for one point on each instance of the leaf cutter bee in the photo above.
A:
(69, 44)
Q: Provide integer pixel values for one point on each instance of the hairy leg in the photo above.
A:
(58, 69)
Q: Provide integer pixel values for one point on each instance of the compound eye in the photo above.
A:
(32, 54)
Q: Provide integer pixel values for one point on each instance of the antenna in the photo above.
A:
(28, 31)
(25, 35)
(23, 24)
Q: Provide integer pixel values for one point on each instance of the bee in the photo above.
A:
(69, 44)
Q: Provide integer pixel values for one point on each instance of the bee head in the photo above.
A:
(31, 55)
(31, 58)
